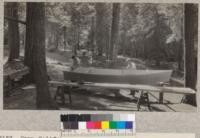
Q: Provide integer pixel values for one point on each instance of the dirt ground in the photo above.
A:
(98, 99)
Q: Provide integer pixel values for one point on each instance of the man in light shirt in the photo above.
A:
(131, 65)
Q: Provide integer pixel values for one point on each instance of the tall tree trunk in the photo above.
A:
(74, 48)
(35, 53)
(64, 37)
(92, 36)
(78, 36)
(102, 28)
(191, 34)
(180, 55)
(114, 31)
(29, 45)
(13, 30)
(56, 42)
(181, 45)
(56, 39)
(157, 37)
(75, 19)
(124, 44)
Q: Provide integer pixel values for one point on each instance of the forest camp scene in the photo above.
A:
(100, 56)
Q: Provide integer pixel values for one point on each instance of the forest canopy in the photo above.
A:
(144, 29)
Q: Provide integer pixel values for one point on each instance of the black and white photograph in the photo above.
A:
(138, 57)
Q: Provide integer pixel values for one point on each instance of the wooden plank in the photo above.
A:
(174, 90)
(29, 87)
(177, 81)
(164, 89)
(57, 83)
(20, 73)
(15, 20)
(12, 73)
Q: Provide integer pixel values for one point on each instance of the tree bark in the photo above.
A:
(114, 31)
(181, 45)
(29, 45)
(191, 34)
(76, 20)
(102, 28)
(35, 53)
(92, 37)
(13, 30)
(180, 55)
(64, 36)
(56, 39)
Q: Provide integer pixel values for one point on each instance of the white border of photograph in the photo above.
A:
(146, 121)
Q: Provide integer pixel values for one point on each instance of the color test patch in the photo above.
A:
(105, 124)
(113, 125)
(121, 125)
(90, 125)
(129, 125)
(98, 123)
(82, 125)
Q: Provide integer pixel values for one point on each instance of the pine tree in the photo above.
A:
(35, 53)
(115, 31)
(191, 36)
(13, 30)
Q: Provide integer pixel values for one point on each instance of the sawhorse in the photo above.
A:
(143, 98)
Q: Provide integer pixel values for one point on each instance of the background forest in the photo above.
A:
(146, 31)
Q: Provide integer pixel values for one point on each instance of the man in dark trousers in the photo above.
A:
(75, 62)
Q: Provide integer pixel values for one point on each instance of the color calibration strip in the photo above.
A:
(98, 124)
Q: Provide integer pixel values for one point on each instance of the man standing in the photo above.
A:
(131, 65)
(85, 60)
(75, 62)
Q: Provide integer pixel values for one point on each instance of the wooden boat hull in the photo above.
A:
(127, 76)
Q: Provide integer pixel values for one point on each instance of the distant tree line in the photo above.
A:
(148, 31)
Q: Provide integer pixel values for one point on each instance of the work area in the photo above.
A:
(100, 56)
